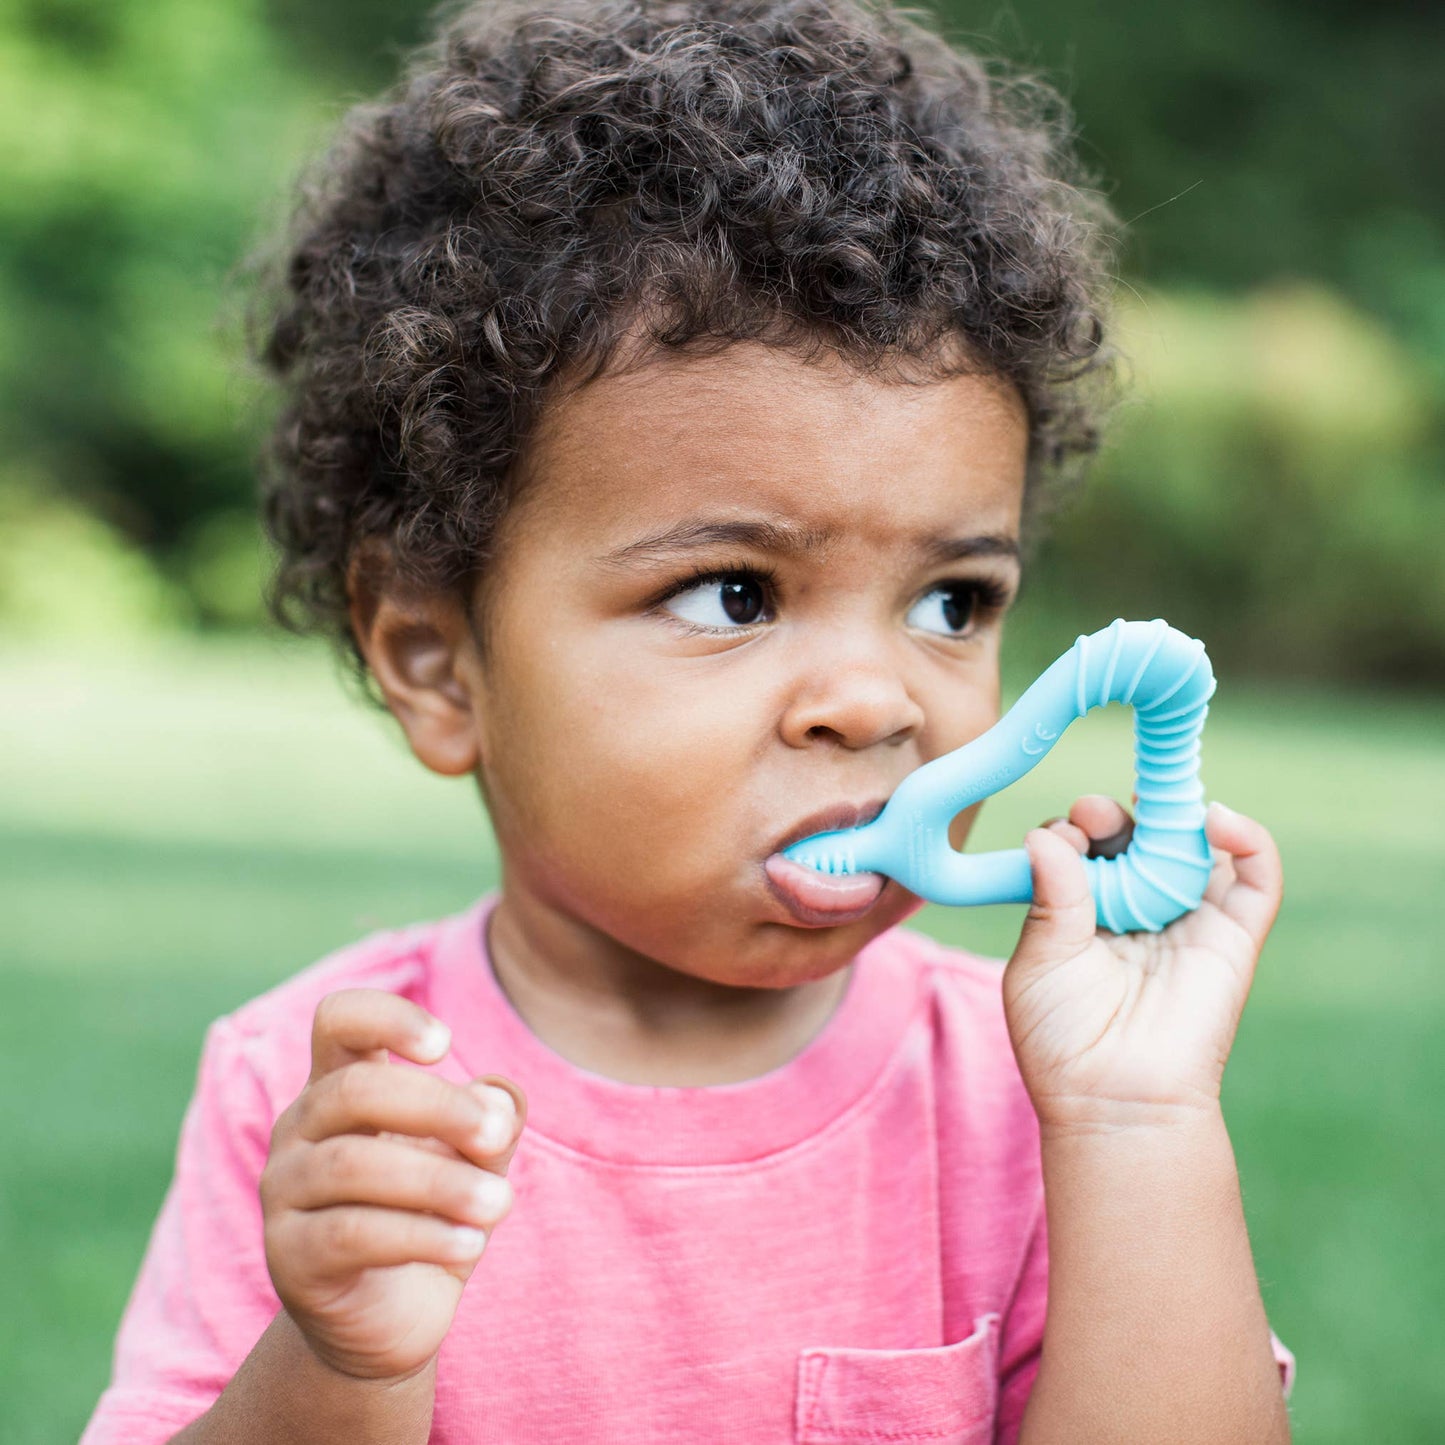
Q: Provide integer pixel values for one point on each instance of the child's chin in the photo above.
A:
(804, 952)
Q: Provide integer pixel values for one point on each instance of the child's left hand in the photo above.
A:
(1115, 1029)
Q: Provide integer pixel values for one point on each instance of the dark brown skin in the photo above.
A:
(640, 764)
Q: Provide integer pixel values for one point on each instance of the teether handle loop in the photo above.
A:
(1166, 677)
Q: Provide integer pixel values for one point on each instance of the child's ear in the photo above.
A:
(422, 651)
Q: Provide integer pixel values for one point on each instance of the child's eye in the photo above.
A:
(949, 608)
(731, 600)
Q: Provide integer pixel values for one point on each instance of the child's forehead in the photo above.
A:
(757, 432)
(766, 387)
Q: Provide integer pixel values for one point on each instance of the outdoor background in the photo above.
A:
(191, 808)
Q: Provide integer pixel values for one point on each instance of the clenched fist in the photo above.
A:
(382, 1186)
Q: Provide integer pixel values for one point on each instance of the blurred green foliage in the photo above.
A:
(147, 144)
(1273, 485)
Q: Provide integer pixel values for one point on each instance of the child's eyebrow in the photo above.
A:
(764, 536)
(959, 549)
(782, 537)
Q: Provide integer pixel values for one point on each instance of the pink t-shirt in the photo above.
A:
(849, 1248)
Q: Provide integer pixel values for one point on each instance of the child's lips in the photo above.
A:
(822, 900)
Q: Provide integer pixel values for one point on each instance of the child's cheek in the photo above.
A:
(628, 774)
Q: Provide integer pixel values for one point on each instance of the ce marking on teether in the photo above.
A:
(1042, 732)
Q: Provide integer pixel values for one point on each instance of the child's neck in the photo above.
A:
(628, 1018)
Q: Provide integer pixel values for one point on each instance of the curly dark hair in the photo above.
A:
(547, 174)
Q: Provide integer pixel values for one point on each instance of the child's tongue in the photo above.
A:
(815, 897)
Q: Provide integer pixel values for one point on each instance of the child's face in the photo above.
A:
(741, 598)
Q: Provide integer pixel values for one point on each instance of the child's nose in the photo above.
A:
(855, 697)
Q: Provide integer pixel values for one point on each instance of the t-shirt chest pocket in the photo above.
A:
(943, 1395)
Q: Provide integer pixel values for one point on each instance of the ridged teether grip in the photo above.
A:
(1166, 677)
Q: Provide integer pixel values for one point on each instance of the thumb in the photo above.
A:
(495, 1090)
(1061, 921)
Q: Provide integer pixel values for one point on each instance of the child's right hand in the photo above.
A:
(379, 1183)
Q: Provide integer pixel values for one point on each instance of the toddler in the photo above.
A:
(671, 390)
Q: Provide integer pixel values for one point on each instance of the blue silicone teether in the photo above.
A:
(1166, 677)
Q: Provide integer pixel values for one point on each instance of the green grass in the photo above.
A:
(182, 826)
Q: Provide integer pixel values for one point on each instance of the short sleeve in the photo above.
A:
(1284, 1358)
(1021, 1335)
(203, 1296)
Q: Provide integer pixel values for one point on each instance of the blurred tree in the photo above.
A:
(355, 42)
(147, 144)
(1271, 485)
(1255, 139)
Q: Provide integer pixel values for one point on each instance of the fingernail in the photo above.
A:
(494, 1133)
(436, 1040)
(1222, 809)
(491, 1194)
(494, 1099)
(467, 1242)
